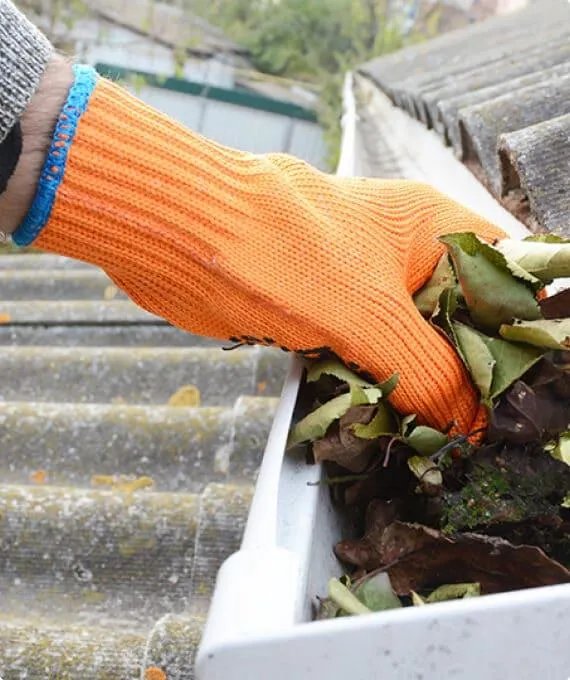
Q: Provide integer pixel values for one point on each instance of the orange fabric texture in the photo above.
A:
(229, 244)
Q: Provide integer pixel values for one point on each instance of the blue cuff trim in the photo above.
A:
(54, 167)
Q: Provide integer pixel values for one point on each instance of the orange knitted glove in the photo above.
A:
(262, 249)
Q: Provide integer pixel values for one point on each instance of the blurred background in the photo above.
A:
(260, 75)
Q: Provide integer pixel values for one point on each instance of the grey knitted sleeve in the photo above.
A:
(24, 54)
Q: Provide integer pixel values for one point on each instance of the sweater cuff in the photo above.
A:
(53, 172)
(24, 55)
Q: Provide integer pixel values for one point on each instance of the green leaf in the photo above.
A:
(492, 292)
(346, 600)
(552, 334)
(511, 362)
(336, 369)
(454, 591)
(561, 448)
(426, 298)
(376, 593)
(407, 424)
(426, 440)
(425, 470)
(314, 425)
(443, 313)
(566, 502)
(547, 260)
(478, 357)
(382, 424)
(417, 601)
(388, 386)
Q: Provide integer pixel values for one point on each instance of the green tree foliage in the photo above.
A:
(315, 41)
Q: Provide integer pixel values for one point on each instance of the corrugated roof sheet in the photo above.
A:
(117, 507)
(498, 93)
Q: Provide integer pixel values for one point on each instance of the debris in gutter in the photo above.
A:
(442, 516)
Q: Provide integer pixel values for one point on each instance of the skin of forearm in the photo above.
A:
(38, 123)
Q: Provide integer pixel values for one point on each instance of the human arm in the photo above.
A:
(242, 247)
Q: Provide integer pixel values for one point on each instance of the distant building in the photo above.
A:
(189, 69)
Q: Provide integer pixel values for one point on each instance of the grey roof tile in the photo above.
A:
(484, 123)
(499, 94)
(117, 509)
(536, 160)
(446, 117)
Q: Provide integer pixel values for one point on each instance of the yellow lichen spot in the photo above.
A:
(122, 483)
(103, 480)
(5, 318)
(39, 477)
(188, 395)
(154, 673)
(110, 293)
(134, 485)
(261, 387)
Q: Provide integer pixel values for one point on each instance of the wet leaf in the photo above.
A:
(346, 600)
(556, 306)
(187, 395)
(550, 334)
(366, 551)
(427, 298)
(492, 293)
(427, 472)
(382, 423)
(337, 370)
(535, 410)
(545, 259)
(315, 425)
(342, 446)
(511, 362)
(415, 556)
(478, 357)
(426, 440)
(376, 593)
(454, 591)
(496, 564)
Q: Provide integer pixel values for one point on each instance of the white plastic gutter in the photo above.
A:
(257, 628)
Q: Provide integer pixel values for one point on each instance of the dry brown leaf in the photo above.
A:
(418, 557)
(342, 446)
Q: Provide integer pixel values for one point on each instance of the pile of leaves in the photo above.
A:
(438, 515)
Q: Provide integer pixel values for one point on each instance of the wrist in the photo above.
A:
(38, 123)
